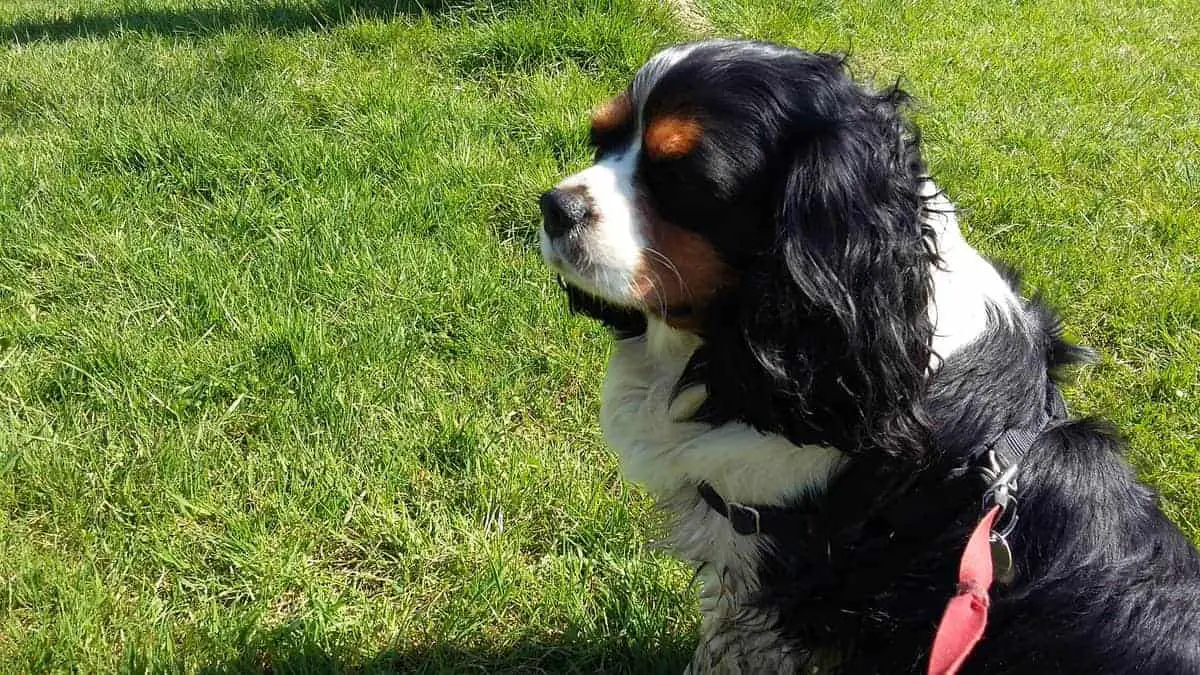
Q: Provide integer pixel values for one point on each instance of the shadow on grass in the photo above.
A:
(277, 17)
(287, 654)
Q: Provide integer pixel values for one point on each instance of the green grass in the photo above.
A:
(284, 386)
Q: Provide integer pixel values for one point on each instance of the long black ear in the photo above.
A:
(832, 341)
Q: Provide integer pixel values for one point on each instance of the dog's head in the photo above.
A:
(757, 196)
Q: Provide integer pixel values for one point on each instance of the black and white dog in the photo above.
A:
(824, 385)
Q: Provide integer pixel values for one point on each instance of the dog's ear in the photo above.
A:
(832, 342)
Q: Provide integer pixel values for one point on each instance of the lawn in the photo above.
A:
(284, 386)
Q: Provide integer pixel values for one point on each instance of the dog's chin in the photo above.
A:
(624, 321)
(577, 282)
(588, 268)
(624, 316)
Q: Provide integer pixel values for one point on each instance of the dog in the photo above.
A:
(826, 388)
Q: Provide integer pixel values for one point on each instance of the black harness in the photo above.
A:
(1002, 454)
(744, 519)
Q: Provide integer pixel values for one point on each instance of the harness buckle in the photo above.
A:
(1001, 492)
(1002, 482)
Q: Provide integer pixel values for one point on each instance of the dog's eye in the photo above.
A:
(609, 140)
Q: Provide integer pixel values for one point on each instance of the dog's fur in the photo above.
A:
(802, 326)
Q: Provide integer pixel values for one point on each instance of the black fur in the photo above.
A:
(1104, 582)
(813, 352)
(807, 183)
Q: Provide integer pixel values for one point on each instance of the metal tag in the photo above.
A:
(1002, 560)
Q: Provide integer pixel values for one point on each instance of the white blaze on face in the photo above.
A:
(608, 251)
(605, 256)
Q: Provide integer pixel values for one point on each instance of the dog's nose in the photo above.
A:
(563, 210)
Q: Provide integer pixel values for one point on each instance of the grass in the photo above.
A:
(285, 388)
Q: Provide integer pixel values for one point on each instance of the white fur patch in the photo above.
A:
(967, 289)
(648, 425)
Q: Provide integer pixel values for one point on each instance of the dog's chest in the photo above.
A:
(645, 417)
(638, 417)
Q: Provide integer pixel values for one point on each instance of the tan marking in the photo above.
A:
(683, 271)
(670, 137)
(613, 115)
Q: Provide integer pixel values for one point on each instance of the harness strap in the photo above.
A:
(987, 555)
(746, 520)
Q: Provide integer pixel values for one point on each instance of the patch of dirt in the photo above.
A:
(690, 16)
